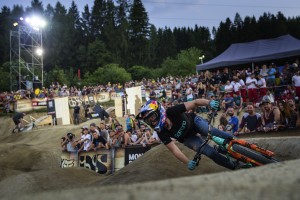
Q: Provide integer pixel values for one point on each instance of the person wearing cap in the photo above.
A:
(251, 121)
(271, 115)
(86, 139)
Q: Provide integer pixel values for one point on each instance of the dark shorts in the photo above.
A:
(17, 121)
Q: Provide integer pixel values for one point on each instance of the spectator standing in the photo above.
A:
(262, 85)
(76, 113)
(236, 85)
(296, 82)
(264, 72)
(98, 142)
(243, 88)
(229, 88)
(251, 83)
(271, 75)
(86, 139)
(101, 112)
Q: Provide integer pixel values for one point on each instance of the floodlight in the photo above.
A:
(15, 24)
(35, 22)
(39, 51)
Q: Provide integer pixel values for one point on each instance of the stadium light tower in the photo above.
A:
(26, 53)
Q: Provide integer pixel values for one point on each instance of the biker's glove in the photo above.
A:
(192, 164)
(214, 104)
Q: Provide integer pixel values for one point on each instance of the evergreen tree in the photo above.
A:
(138, 34)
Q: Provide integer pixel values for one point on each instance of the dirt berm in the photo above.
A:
(29, 169)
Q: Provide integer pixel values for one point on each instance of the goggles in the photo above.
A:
(151, 117)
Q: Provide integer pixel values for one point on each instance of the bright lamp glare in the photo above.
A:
(39, 52)
(36, 22)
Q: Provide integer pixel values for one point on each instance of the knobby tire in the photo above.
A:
(252, 154)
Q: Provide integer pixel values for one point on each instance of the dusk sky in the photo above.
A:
(187, 13)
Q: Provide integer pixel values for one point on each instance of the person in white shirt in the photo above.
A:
(189, 93)
(242, 88)
(229, 88)
(251, 83)
(236, 85)
(86, 139)
(296, 82)
(262, 85)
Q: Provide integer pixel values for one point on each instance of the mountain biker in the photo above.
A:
(17, 118)
(186, 128)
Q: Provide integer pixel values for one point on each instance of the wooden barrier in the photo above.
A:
(104, 161)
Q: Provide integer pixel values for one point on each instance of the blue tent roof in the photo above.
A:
(259, 50)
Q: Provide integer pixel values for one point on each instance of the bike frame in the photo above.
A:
(228, 146)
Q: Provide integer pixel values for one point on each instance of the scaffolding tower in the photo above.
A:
(26, 63)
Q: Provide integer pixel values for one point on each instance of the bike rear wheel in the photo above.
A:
(253, 154)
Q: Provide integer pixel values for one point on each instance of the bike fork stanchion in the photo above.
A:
(197, 157)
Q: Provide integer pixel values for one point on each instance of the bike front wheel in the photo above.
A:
(250, 153)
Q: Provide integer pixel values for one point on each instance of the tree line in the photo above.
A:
(114, 41)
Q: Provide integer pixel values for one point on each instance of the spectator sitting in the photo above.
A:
(227, 102)
(237, 103)
(269, 96)
(233, 122)
(251, 120)
(271, 116)
(103, 131)
(292, 116)
(98, 142)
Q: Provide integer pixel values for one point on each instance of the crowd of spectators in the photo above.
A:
(109, 135)
(267, 95)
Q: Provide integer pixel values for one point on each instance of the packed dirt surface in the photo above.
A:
(29, 169)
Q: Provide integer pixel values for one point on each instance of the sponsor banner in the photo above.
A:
(91, 99)
(132, 153)
(74, 100)
(38, 102)
(99, 161)
(114, 95)
(23, 105)
(103, 97)
(68, 159)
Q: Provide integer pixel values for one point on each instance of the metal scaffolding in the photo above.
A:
(26, 66)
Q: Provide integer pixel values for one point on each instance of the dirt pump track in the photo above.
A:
(29, 169)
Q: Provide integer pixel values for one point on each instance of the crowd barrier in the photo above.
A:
(103, 161)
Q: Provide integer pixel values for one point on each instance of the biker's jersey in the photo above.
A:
(182, 124)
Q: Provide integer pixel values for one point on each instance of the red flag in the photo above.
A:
(78, 73)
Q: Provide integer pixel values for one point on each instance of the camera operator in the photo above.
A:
(71, 143)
